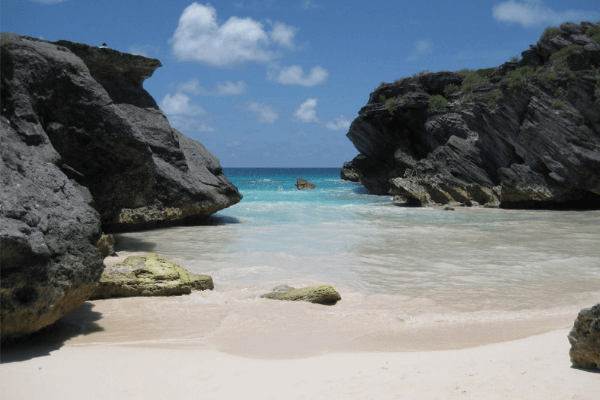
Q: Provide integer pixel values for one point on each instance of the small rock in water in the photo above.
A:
(585, 339)
(303, 184)
(148, 275)
(324, 294)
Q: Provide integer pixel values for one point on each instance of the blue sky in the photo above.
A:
(273, 83)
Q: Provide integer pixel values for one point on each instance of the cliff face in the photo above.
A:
(83, 148)
(526, 134)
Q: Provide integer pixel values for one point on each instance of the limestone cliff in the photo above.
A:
(525, 134)
(84, 148)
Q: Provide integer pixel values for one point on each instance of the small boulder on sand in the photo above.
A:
(585, 339)
(323, 294)
(148, 275)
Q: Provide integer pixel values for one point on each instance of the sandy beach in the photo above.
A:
(536, 367)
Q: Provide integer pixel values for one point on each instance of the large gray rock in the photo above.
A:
(529, 142)
(49, 264)
(84, 147)
(585, 339)
(148, 275)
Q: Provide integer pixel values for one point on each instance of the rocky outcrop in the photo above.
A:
(148, 275)
(526, 134)
(585, 339)
(303, 184)
(84, 149)
(323, 294)
(106, 245)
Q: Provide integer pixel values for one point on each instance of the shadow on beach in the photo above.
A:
(39, 344)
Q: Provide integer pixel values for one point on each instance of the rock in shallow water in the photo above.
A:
(585, 339)
(303, 184)
(148, 275)
(323, 294)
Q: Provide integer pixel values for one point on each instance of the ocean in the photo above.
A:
(410, 278)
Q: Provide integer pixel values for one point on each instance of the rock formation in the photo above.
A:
(585, 339)
(303, 184)
(84, 148)
(323, 294)
(148, 275)
(526, 134)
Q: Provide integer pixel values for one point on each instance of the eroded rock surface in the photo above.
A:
(303, 184)
(148, 275)
(324, 294)
(526, 134)
(84, 148)
(585, 339)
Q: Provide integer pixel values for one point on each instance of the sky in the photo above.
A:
(274, 83)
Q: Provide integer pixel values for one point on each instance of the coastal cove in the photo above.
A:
(410, 278)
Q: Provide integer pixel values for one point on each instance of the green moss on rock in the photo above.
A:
(324, 294)
(148, 275)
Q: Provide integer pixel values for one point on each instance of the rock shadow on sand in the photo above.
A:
(81, 321)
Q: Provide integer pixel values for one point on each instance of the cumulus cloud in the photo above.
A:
(535, 13)
(200, 38)
(266, 113)
(422, 47)
(340, 123)
(227, 88)
(180, 104)
(294, 75)
(307, 112)
(187, 124)
(283, 34)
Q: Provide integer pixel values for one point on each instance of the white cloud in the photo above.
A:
(283, 34)
(308, 4)
(227, 88)
(535, 13)
(340, 123)
(187, 124)
(179, 104)
(266, 113)
(422, 47)
(294, 75)
(307, 112)
(200, 38)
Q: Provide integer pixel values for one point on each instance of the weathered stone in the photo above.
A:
(303, 184)
(323, 294)
(148, 275)
(106, 245)
(349, 173)
(534, 144)
(84, 147)
(585, 339)
(109, 133)
(49, 264)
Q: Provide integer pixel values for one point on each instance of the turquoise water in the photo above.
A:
(464, 260)
(410, 278)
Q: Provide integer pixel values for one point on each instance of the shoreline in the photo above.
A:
(536, 367)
